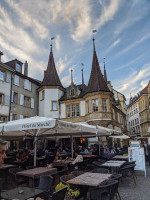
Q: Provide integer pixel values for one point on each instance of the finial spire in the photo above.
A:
(52, 38)
(105, 74)
(82, 74)
(94, 31)
(71, 76)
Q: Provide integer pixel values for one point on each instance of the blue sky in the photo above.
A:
(123, 38)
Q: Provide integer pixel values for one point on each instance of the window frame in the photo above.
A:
(104, 105)
(3, 98)
(1, 71)
(52, 108)
(95, 107)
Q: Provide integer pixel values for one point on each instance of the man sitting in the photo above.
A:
(106, 153)
(79, 158)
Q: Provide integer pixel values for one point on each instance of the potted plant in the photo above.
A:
(71, 194)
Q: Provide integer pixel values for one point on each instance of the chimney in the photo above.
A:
(26, 68)
(1, 53)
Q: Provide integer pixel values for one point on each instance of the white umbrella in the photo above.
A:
(120, 136)
(42, 127)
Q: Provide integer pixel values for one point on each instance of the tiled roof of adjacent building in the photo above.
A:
(51, 77)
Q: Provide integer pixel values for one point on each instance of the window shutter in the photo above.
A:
(26, 84)
(16, 80)
(7, 99)
(21, 116)
(12, 96)
(8, 77)
(29, 85)
(21, 99)
(32, 103)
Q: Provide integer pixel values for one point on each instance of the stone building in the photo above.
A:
(96, 103)
(134, 117)
(139, 112)
(18, 92)
(5, 90)
(144, 109)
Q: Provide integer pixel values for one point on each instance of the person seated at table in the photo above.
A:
(18, 156)
(106, 153)
(3, 148)
(79, 158)
(56, 155)
(25, 156)
(113, 151)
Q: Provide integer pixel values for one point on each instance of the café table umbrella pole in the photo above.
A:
(35, 147)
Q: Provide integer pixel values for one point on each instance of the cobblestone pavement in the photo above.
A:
(141, 191)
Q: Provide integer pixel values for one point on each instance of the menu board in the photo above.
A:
(137, 154)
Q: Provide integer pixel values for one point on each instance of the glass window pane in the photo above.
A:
(68, 110)
(2, 74)
(54, 105)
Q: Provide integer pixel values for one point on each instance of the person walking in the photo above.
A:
(147, 151)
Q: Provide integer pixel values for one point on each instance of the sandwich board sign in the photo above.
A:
(137, 154)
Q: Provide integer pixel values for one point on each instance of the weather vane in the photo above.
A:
(52, 38)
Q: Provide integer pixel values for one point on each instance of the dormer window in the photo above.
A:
(18, 67)
(71, 92)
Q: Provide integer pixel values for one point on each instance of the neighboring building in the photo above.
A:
(139, 113)
(22, 92)
(94, 103)
(144, 109)
(5, 88)
(134, 117)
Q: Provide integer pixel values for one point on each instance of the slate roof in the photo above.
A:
(96, 81)
(51, 77)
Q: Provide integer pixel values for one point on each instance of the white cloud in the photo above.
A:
(130, 63)
(84, 26)
(61, 66)
(26, 19)
(137, 42)
(18, 37)
(115, 43)
(134, 82)
(58, 42)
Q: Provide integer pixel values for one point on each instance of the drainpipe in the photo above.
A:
(10, 96)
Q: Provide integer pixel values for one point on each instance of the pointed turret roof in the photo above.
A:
(105, 74)
(96, 81)
(51, 77)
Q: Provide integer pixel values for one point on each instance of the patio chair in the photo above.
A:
(66, 178)
(105, 192)
(100, 170)
(128, 171)
(97, 163)
(45, 185)
(77, 173)
(59, 195)
(16, 179)
(58, 174)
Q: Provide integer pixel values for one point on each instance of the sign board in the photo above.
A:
(135, 144)
(138, 155)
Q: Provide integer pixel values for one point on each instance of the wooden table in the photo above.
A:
(119, 157)
(89, 156)
(61, 163)
(114, 165)
(37, 172)
(26, 193)
(6, 166)
(90, 179)
(116, 161)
